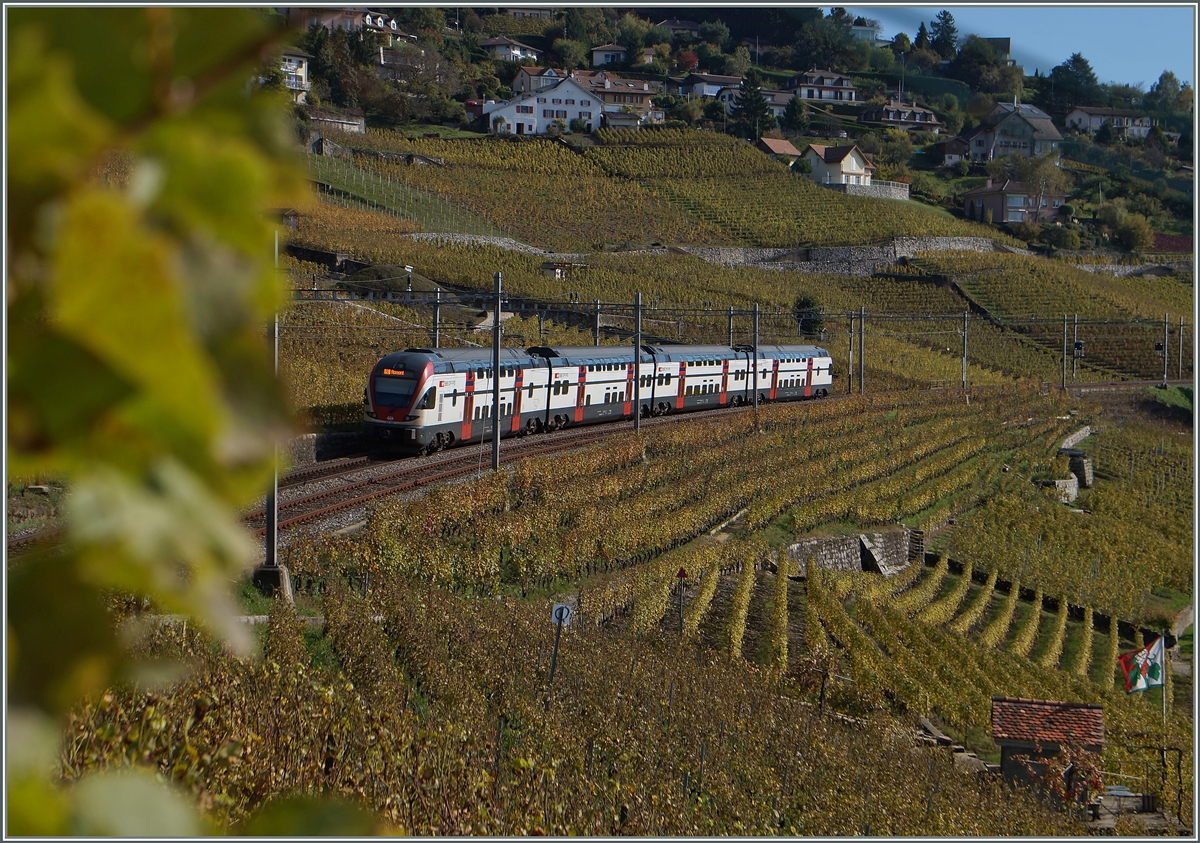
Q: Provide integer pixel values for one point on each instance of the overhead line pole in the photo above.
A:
(755, 381)
(1181, 348)
(862, 351)
(271, 551)
(850, 365)
(496, 380)
(637, 362)
(1074, 354)
(1166, 345)
(964, 362)
(1064, 353)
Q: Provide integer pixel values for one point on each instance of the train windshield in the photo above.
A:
(394, 391)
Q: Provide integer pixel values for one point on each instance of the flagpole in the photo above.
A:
(1166, 667)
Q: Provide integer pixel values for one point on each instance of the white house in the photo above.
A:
(537, 14)
(506, 49)
(534, 112)
(869, 32)
(607, 54)
(294, 64)
(839, 164)
(532, 78)
(707, 85)
(823, 85)
(1126, 124)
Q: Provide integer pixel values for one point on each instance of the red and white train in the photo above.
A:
(423, 400)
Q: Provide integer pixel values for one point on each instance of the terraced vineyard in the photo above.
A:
(1108, 557)
(632, 705)
(922, 315)
(1031, 295)
(673, 186)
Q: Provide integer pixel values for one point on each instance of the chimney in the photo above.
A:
(989, 183)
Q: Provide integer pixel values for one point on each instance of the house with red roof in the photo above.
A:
(1039, 728)
(780, 150)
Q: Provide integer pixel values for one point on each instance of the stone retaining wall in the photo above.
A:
(891, 190)
(317, 447)
(840, 260)
(885, 552)
(1076, 437)
(829, 554)
(1119, 270)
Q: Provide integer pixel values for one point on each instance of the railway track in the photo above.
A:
(413, 473)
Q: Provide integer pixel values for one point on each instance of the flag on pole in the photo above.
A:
(1144, 668)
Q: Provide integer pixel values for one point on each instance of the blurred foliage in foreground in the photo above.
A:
(144, 162)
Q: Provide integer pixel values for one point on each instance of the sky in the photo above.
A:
(1123, 43)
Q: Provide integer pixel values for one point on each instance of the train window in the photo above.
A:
(476, 414)
(621, 396)
(453, 399)
(587, 400)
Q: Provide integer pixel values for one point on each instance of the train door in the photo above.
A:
(516, 404)
(629, 376)
(468, 406)
(582, 390)
(679, 390)
(808, 379)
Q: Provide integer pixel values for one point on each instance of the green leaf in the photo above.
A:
(310, 818)
(57, 391)
(59, 649)
(50, 130)
(113, 289)
(169, 537)
(131, 803)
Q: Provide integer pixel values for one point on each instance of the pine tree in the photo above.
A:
(922, 42)
(944, 34)
(796, 115)
(751, 116)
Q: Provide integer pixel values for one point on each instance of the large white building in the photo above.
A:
(597, 98)
(1126, 124)
(534, 112)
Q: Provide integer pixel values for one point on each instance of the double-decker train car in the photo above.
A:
(422, 400)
